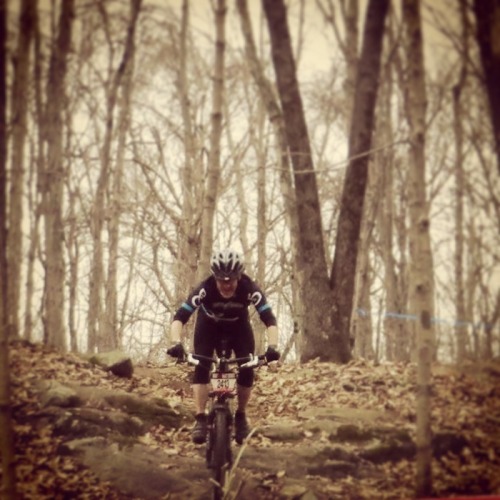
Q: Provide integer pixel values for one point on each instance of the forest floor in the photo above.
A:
(302, 413)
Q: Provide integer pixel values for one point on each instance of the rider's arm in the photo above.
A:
(272, 335)
(189, 306)
(176, 331)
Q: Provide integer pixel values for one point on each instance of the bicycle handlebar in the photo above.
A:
(250, 361)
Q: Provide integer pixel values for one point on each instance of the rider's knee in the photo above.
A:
(201, 375)
(246, 377)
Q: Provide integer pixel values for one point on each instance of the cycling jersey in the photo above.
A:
(209, 301)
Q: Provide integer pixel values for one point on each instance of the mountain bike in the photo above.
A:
(219, 457)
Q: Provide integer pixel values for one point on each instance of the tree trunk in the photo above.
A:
(314, 280)
(36, 178)
(275, 116)
(101, 323)
(421, 268)
(55, 335)
(8, 485)
(487, 29)
(111, 335)
(188, 242)
(353, 194)
(461, 324)
(213, 172)
(19, 115)
(361, 320)
(73, 250)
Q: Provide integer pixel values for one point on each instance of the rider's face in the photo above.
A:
(227, 288)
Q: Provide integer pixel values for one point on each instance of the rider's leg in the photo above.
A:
(200, 393)
(204, 345)
(244, 345)
(244, 394)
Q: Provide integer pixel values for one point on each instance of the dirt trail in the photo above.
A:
(322, 431)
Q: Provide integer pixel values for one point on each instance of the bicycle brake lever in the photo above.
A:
(254, 361)
(192, 361)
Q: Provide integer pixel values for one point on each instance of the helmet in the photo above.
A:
(226, 264)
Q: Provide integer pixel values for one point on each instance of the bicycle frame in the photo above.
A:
(220, 417)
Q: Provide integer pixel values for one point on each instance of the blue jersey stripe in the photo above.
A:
(186, 306)
(263, 308)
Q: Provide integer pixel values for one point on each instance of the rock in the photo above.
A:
(152, 411)
(447, 442)
(334, 469)
(138, 470)
(388, 452)
(116, 362)
(337, 453)
(308, 495)
(346, 415)
(79, 411)
(351, 432)
(293, 491)
(53, 393)
(283, 432)
(83, 422)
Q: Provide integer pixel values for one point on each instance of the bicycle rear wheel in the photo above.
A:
(221, 450)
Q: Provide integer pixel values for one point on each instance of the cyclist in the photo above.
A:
(222, 301)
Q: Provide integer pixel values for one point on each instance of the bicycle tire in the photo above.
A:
(221, 450)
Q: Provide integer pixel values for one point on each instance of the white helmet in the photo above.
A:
(226, 264)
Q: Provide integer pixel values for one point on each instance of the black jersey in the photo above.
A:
(207, 298)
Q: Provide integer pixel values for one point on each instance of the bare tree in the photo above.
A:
(458, 104)
(192, 177)
(275, 115)
(421, 267)
(111, 334)
(8, 485)
(102, 324)
(353, 194)
(19, 115)
(53, 182)
(487, 28)
(314, 280)
(213, 171)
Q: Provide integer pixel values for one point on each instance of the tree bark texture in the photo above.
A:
(351, 209)
(488, 38)
(314, 279)
(270, 101)
(55, 335)
(188, 238)
(102, 322)
(461, 324)
(8, 485)
(19, 115)
(111, 335)
(421, 268)
(213, 171)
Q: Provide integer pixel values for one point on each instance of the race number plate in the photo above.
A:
(223, 381)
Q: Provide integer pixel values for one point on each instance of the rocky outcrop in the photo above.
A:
(107, 431)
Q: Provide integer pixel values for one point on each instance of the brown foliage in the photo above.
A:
(466, 403)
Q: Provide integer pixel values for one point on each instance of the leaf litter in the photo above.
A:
(465, 402)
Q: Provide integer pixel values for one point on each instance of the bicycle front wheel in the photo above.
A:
(221, 448)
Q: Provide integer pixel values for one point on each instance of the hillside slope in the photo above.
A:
(322, 431)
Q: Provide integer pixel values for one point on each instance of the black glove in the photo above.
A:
(177, 351)
(272, 354)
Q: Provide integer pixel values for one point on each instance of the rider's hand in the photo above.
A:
(272, 354)
(177, 351)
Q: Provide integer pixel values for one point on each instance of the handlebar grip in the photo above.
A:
(254, 361)
(192, 361)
